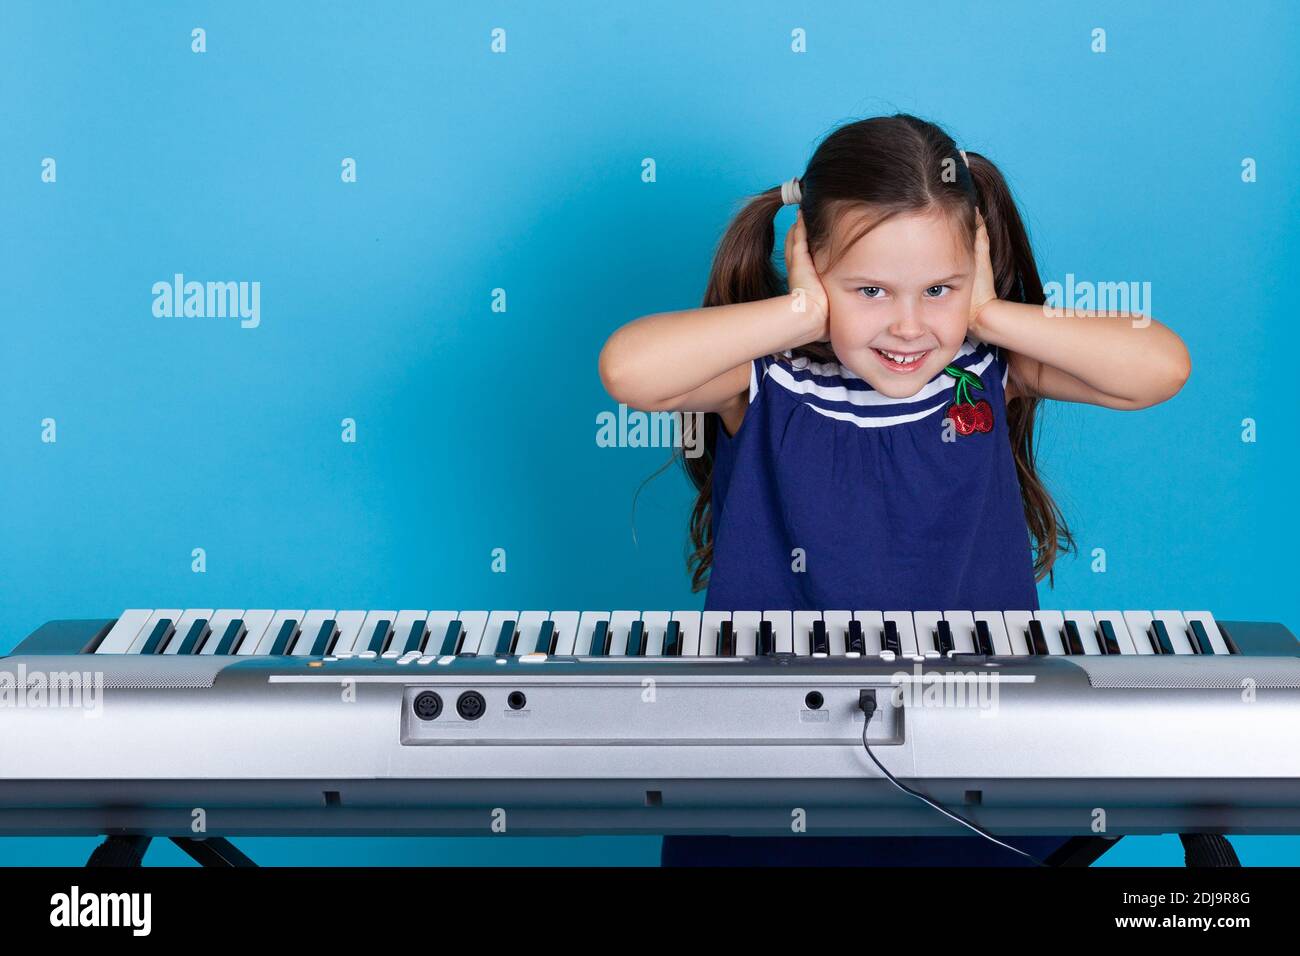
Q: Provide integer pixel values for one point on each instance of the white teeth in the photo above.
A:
(900, 359)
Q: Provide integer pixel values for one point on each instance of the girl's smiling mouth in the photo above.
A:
(901, 362)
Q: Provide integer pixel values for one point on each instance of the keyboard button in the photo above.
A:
(673, 639)
(1205, 627)
(323, 640)
(1176, 631)
(905, 632)
(837, 631)
(1053, 625)
(999, 631)
(961, 625)
(1017, 623)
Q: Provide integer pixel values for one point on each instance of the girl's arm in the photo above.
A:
(1125, 362)
(698, 360)
(1118, 361)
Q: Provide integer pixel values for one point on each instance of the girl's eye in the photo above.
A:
(872, 291)
(935, 291)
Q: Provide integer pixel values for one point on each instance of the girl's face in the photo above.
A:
(902, 292)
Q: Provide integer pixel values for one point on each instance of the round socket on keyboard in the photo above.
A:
(814, 700)
(427, 705)
(471, 705)
(517, 700)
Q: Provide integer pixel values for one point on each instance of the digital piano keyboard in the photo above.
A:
(655, 722)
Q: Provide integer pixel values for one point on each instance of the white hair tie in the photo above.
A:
(963, 158)
(791, 193)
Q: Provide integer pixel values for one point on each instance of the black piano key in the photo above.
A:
(414, 638)
(1201, 638)
(636, 637)
(1073, 640)
(325, 638)
(1160, 642)
(284, 640)
(983, 638)
(452, 640)
(379, 639)
(507, 638)
(854, 642)
(198, 633)
(1109, 643)
(1038, 638)
(545, 639)
(766, 639)
(231, 639)
(159, 636)
(673, 639)
(600, 640)
(943, 638)
(892, 641)
(821, 642)
(726, 640)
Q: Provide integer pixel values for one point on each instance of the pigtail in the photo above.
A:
(1016, 278)
(742, 271)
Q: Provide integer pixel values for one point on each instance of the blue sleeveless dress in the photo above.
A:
(834, 496)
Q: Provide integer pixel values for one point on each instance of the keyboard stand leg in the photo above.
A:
(120, 851)
(213, 851)
(1081, 851)
(1208, 849)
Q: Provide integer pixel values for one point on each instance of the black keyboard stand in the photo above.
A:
(130, 850)
(1199, 850)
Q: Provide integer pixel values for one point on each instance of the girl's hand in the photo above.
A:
(802, 275)
(983, 290)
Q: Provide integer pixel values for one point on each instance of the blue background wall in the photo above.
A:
(522, 171)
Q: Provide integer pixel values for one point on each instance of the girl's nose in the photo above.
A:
(906, 324)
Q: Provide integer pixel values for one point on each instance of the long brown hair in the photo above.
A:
(887, 165)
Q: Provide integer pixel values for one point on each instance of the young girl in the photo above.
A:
(870, 422)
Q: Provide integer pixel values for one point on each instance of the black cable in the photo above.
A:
(867, 702)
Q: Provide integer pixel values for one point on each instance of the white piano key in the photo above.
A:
(837, 627)
(1211, 628)
(1018, 630)
(656, 622)
(802, 623)
(962, 624)
(435, 624)
(174, 614)
(566, 630)
(745, 626)
(219, 621)
(783, 632)
(310, 625)
(530, 628)
(924, 626)
(1120, 625)
(350, 624)
(474, 626)
(873, 631)
(1087, 626)
(586, 628)
(710, 625)
(263, 646)
(620, 625)
(1002, 646)
(401, 631)
(124, 631)
(183, 627)
(492, 632)
(906, 631)
(1139, 629)
(689, 622)
(1053, 622)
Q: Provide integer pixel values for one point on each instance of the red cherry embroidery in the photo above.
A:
(968, 417)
